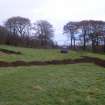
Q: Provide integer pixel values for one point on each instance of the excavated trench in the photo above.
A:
(84, 59)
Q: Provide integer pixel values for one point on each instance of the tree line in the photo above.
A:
(19, 31)
(86, 34)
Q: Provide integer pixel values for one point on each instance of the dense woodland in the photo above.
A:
(86, 34)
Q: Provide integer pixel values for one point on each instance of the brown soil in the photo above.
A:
(1, 53)
(84, 59)
(8, 51)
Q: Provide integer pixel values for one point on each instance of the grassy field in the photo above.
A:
(74, 84)
(29, 54)
(80, 84)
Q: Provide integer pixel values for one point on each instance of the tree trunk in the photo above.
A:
(104, 44)
(71, 42)
(84, 38)
(74, 43)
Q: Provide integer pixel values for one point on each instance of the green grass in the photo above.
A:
(74, 84)
(29, 54)
(80, 84)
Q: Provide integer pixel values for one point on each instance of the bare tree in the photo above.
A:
(84, 27)
(70, 29)
(19, 27)
(44, 32)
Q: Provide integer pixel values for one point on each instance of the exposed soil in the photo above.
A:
(1, 53)
(9, 51)
(84, 59)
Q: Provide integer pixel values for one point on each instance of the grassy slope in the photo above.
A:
(82, 84)
(29, 54)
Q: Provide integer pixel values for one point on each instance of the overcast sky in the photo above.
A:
(57, 12)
